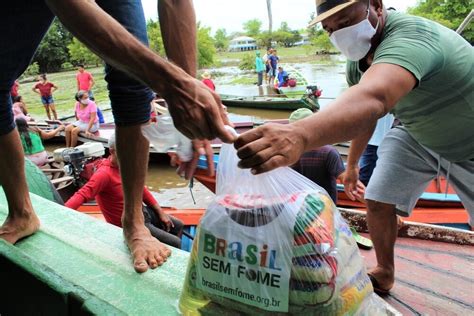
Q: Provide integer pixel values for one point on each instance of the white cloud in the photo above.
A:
(232, 14)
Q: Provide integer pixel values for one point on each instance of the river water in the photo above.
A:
(328, 76)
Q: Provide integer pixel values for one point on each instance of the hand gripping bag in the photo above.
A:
(273, 244)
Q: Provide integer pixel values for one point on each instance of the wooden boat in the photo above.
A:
(432, 275)
(433, 207)
(270, 103)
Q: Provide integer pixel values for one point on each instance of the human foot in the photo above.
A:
(146, 250)
(19, 226)
(382, 279)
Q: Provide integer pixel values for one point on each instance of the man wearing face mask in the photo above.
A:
(414, 68)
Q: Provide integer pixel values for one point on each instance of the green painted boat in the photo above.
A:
(271, 103)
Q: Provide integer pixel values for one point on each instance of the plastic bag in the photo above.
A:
(273, 244)
(163, 136)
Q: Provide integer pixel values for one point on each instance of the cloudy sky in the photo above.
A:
(230, 14)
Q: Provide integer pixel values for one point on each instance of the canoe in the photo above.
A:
(270, 103)
(433, 207)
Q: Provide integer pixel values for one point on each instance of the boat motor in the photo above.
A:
(76, 159)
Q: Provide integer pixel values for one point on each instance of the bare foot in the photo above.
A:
(146, 250)
(17, 227)
(384, 278)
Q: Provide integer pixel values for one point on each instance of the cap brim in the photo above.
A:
(330, 12)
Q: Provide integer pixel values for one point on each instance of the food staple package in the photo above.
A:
(273, 244)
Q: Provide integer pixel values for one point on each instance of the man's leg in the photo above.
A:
(146, 250)
(382, 223)
(130, 101)
(23, 23)
(22, 220)
(404, 169)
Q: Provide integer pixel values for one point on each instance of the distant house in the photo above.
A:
(242, 43)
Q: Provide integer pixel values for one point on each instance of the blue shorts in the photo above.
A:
(47, 100)
(25, 23)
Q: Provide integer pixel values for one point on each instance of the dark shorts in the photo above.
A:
(26, 22)
(47, 100)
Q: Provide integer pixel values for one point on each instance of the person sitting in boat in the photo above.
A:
(19, 109)
(87, 120)
(31, 140)
(324, 165)
(282, 77)
(105, 186)
(206, 79)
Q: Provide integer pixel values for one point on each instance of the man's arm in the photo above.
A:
(88, 192)
(178, 30)
(353, 114)
(195, 111)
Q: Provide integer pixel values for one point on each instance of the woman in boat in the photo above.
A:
(31, 140)
(87, 120)
(19, 109)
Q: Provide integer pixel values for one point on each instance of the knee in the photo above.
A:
(376, 207)
(76, 130)
(69, 128)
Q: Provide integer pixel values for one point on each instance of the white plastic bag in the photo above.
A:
(163, 136)
(273, 244)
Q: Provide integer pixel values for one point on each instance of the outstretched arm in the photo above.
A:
(352, 115)
(195, 110)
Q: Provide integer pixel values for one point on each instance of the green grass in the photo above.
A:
(64, 96)
(296, 54)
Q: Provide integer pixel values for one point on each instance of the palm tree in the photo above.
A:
(270, 22)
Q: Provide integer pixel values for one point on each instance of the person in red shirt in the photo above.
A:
(106, 187)
(206, 79)
(45, 89)
(85, 81)
(14, 89)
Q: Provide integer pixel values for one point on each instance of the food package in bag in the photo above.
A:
(273, 244)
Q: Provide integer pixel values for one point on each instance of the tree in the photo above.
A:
(321, 42)
(449, 13)
(154, 34)
(80, 54)
(221, 40)
(285, 36)
(252, 27)
(206, 48)
(52, 51)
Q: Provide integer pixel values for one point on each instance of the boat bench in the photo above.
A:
(76, 265)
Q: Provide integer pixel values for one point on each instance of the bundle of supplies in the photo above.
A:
(273, 244)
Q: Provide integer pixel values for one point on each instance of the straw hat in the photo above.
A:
(300, 114)
(206, 75)
(326, 8)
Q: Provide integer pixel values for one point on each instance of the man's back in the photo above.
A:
(322, 166)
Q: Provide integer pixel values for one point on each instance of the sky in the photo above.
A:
(231, 14)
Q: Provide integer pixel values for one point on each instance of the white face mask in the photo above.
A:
(355, 41)
(85, 101)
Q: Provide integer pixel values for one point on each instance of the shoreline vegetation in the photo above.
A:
(66, 80)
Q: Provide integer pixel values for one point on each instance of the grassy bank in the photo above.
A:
(64, 96)
(296, 54)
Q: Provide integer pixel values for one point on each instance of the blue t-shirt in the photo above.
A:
(273, 60)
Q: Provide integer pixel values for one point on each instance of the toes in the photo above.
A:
(139, 263)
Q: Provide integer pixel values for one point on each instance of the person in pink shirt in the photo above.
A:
(85, 81)
(206, 79)
(19, 109)
(87, 120)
